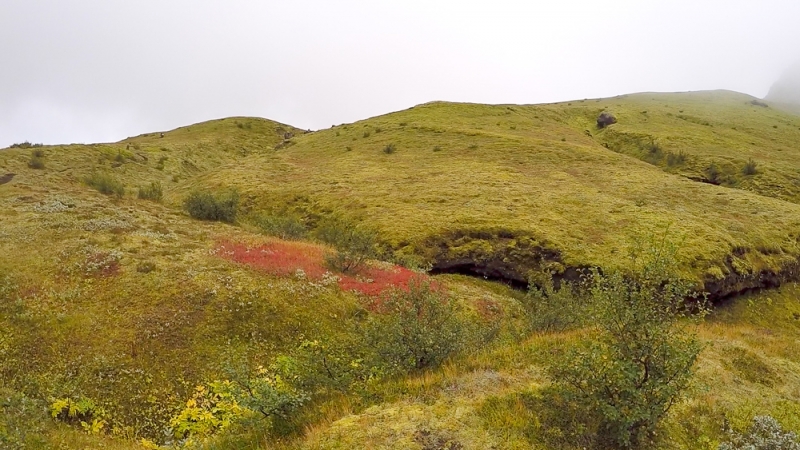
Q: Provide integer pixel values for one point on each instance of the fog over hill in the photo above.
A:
(787, 88)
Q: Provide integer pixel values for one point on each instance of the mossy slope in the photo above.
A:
(485, 185)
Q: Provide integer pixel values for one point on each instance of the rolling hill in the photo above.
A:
(132, 305)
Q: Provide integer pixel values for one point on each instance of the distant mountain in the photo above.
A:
(787, 88)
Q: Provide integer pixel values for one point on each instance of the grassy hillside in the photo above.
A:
(131, 304)
(506, 190)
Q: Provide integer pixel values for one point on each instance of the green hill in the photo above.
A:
(506, 190)
(131, 305)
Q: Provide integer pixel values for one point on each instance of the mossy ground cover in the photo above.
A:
(533, 188)
(129, 302)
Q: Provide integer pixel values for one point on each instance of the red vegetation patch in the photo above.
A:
(287, 258)
(277, 258)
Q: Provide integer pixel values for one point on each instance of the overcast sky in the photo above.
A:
(102, 70)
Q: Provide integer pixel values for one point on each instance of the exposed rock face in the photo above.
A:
(787, 88)
(605, 119)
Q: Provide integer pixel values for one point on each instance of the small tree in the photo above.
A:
(415, 328)
(152, 192)
(642, 360)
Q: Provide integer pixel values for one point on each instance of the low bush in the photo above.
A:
(152, 192)
(713, 174)
(389, 149)
(553, 310)
(765, 433)
(205, 205)
(285, 226)
(105, 184)
(22, 420)
(36, 162)
(676, 159)
(354, 244)
(416, 328)
(26, 144)
(253, 397)
(750, 167)
(82, 412)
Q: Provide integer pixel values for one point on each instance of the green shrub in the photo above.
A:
(765, 433)
(38, 153)
(416, 328)
(389, 149)
(366, 134)
(750, 167)
(437, 148)
(676, 159)
(642, 359)
(713, 174)
(251, 397)
(654, 152)
(555, 310)
(82, 412)
(354, 244)
(205, 205)
(152, 192)
(26, 144)
(105, 184)
(334, 365)
(22, 421)
(284, 226)
(36, 162)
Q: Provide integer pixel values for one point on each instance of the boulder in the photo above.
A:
(605, 119)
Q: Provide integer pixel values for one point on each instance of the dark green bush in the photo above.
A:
(750, 167)
(416, 328)
(36, 162)
(676, 159)
(641, 360)
(25, 144)
(205, 205)
(713, 174)
(389, 149)
(555, 310)
(284, 226)
(152, 192)
(354, 244)
(105, 184)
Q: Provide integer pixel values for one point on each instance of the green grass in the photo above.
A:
(126, 302)
(522, 195)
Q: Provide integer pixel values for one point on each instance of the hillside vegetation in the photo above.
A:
(506, 190)
(127, 323)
